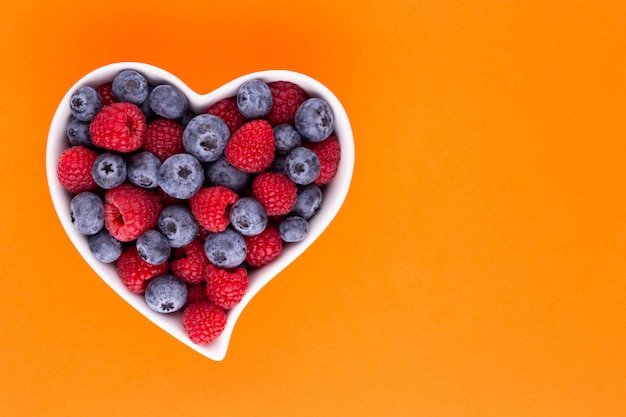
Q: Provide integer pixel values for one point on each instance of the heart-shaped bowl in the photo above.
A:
(333, 197)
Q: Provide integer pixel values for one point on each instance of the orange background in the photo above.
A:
(477, 267)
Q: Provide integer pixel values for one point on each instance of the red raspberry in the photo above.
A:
(196, 293)
(286, 98)
(276, 192)
(251, 148)
(191, 265)
(264, 247)
(129, 211)
(227, 110)
(203, 322)
(74, 169)
(135, 272)
(118, 127)
(226, 288)
(105, 91)
(328, 152)
(211, 206)
(164, 138)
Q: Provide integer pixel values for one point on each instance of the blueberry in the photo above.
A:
(178, 225)
(293, 229)
(186, 118)
(130, 85)
(254, 99)
(153, 247)
(181, 176)
(109, 170)
(85, 103)
(166, 294)
(302, 166)
(78, 133)
(142, 169)
(314, 120)
(308, 201)
(226, 249)
(105, 247)
(278, 164)
(221, 172)
(248, 217)
(205, 137)
(287, 138)
(168, 101)
(145, 106)
(87, 213)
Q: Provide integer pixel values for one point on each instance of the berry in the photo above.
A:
(181, 176)
(286, 97)
(192, 263)
(168, 101)
(293, 229)
(130, 86)
(153, 247)
(248, 217)
(85, 103)
(166, 294)
(186, 118)
(135, 272)
(211, 205)
(205, 137)
(227, 110)
(129, 211)
(109, 170)
(142, 169)
(251, 148)
(308, 202)
(164, 138)
(314, 120)
(221, 172)
(196, 293)
(118, 127)
(287, 138)
(276, 192)
(203, 322)
(105, 247)
(264, 247)
(225, 249)
(302, 166)
(78, 133)
(74, 169)
(225, 289)
(329, 153)
(254, 99)
(178, 225)
(105, 91)
(87, 213)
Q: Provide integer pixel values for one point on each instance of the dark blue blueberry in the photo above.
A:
(226, 249)
(308, 202)
(153, 247)
(105, 247)
(293, 229)
(278, 164)
(221, 172)
(302, 166)
(142, 169)
(85, 103)
(205, 137)
(248, 217)
(130, 85)
(168, 101)
(254, 99)
(181, 176)
(145, 106)
(109, 170)
(186, 118)
(314, 120)
(166, 294)
(287, 138)
(87, 213)
(178, 225)
(78, 133)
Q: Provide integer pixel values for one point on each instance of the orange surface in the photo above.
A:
(477, 267)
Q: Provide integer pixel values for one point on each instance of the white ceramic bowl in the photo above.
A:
(334, 193)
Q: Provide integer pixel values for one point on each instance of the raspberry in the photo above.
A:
(191, 265)
(263, 247)
(211, 205)
(251, 148)
(135, 272)
(118, 127)
(329, 154)
(224, 288)
(276, 192)
(196, 293)
(105, 91)
(164, 138)
(226, 109)
(203, 322)
(74, 169)
(129, 211)
(287, 97)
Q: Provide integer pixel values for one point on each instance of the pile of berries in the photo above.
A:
(185, 204)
